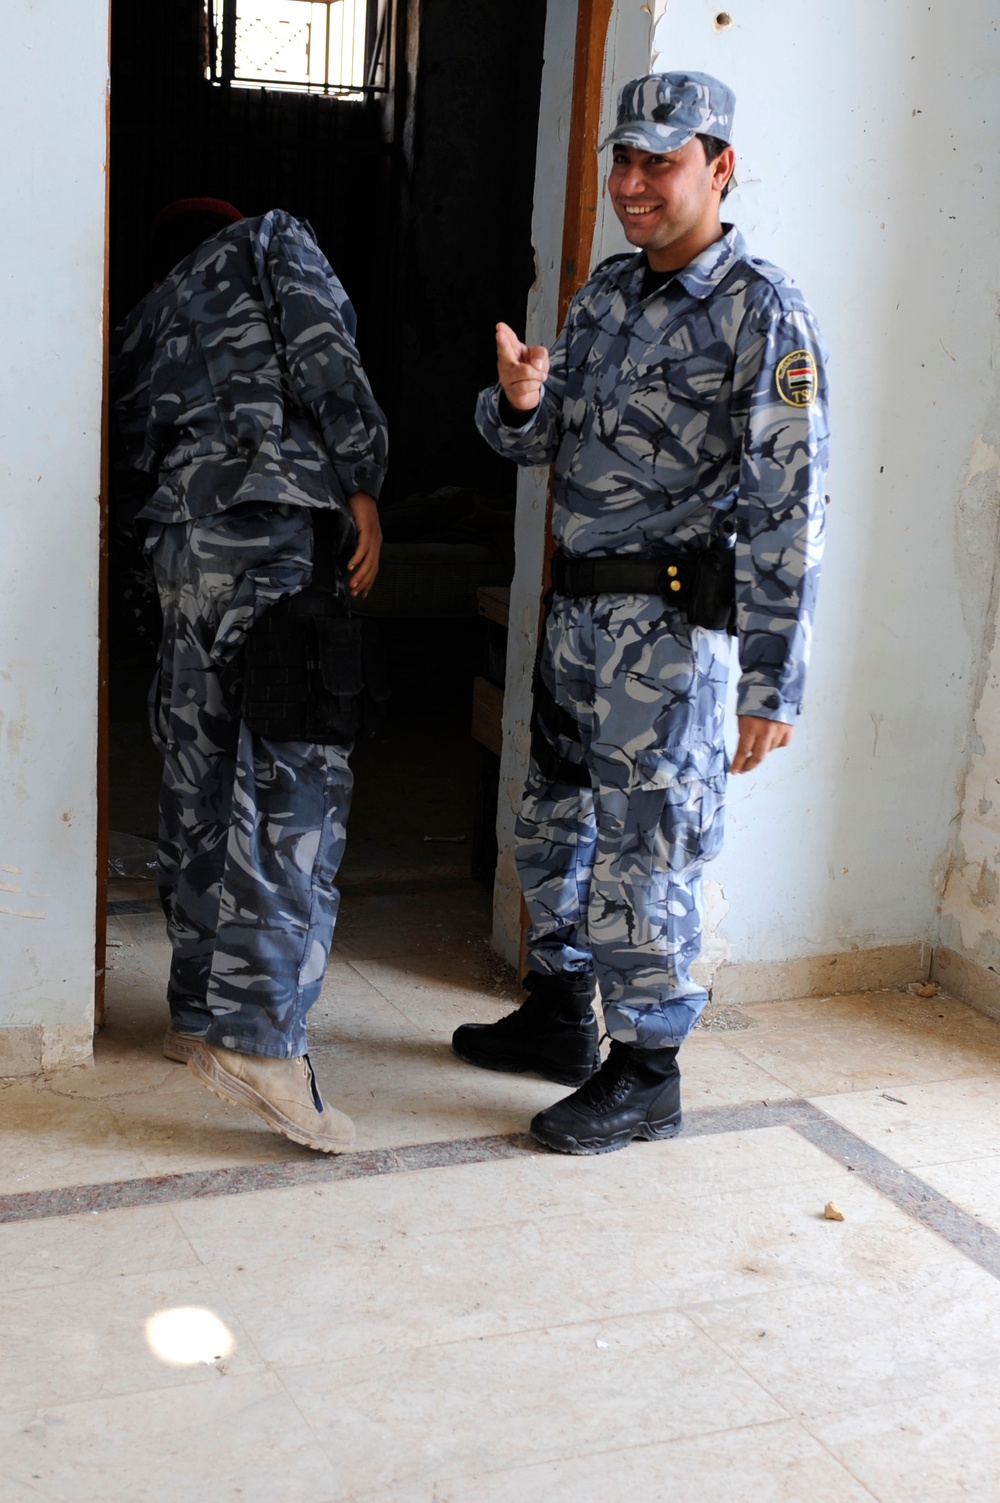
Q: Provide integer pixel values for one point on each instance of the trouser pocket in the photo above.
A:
(674, 817)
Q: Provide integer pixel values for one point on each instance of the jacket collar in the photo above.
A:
(702, 275)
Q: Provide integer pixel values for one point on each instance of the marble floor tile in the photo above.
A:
(924, 1122)
(68, 1249)
(393, 1421)
(52, 1138)
(238, 1439)
(820, 1347)
(973, 1184)
(745, 1243)
(771, 1463)
(411, 1088)
(182, 1126)
(878, 1053)
(87, 1338)
(356, 1215)
(663, 1178)
(436, 992)
(715, 1073)
(428, 1289)
(936, 1449)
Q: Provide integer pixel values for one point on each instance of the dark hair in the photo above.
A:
(714, 147)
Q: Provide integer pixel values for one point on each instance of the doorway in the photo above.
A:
(417, 175)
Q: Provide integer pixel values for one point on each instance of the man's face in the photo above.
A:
(668, 200)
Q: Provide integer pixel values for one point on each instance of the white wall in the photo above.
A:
(53, 82)
(867, 135)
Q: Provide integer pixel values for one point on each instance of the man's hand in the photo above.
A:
(757, 738)
(363, 566)
(522, 369)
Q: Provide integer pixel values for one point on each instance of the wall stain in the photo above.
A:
(987, 889)
(978, 527)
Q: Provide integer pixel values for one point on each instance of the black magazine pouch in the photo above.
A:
(301, 675)
(712, 600)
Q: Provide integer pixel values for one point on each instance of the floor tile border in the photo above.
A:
(910, 1194)
(907, 1191)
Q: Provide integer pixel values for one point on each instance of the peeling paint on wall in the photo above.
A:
(970, 902)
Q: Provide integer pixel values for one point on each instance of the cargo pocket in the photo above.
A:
(337, 708)
(675, 810)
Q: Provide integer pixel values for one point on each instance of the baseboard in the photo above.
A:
(36, 1050)
(822, 975)
(967, 980)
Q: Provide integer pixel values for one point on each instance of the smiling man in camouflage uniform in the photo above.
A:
(684, 406)
(255, 451)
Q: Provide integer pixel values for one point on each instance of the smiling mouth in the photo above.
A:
(635, 210)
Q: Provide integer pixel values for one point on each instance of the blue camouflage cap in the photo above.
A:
(663, 111)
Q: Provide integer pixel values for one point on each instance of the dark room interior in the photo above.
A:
(418, 182)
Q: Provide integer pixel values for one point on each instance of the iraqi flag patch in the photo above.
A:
(796, 379)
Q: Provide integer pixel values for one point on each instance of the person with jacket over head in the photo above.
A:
(252, 454)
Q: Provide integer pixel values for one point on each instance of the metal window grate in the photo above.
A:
(333, 47)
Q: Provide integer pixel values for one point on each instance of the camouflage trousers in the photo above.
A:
(252, 830)
(611, 873)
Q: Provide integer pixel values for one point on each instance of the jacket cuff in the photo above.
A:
(764, 701)
(360, 477)
(513, 417)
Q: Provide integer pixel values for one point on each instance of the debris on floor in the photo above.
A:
(832, 1212)
(719, 1019)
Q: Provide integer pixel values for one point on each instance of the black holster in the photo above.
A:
(549, 721)
(310, 671)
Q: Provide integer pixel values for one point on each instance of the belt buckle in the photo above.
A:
(671, 580)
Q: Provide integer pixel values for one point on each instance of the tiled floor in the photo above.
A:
(677, 1322)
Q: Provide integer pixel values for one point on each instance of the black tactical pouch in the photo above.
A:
(309, 670)
(711, 597)
(302, 676)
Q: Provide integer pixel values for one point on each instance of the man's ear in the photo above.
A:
(723, 168)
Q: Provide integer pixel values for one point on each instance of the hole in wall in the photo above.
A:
(722, 20)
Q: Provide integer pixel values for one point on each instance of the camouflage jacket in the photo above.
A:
(237, 380)
(675, 418)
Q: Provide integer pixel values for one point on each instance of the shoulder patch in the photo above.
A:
(796, 379)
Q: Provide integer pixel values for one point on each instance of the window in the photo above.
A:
(333, 47)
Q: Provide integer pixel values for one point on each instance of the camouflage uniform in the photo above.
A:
(243, 409)
(691, 415)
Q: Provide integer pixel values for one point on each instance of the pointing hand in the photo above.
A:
(522, 369)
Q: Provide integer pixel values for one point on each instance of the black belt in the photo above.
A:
(670, 575)
(701, 582)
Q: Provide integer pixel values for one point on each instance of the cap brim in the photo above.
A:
(648, 136)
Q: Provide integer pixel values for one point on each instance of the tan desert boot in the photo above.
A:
(179, 1046)
(282, 1091)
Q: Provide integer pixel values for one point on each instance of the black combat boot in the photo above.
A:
(554, 1032)
(635, 1094)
